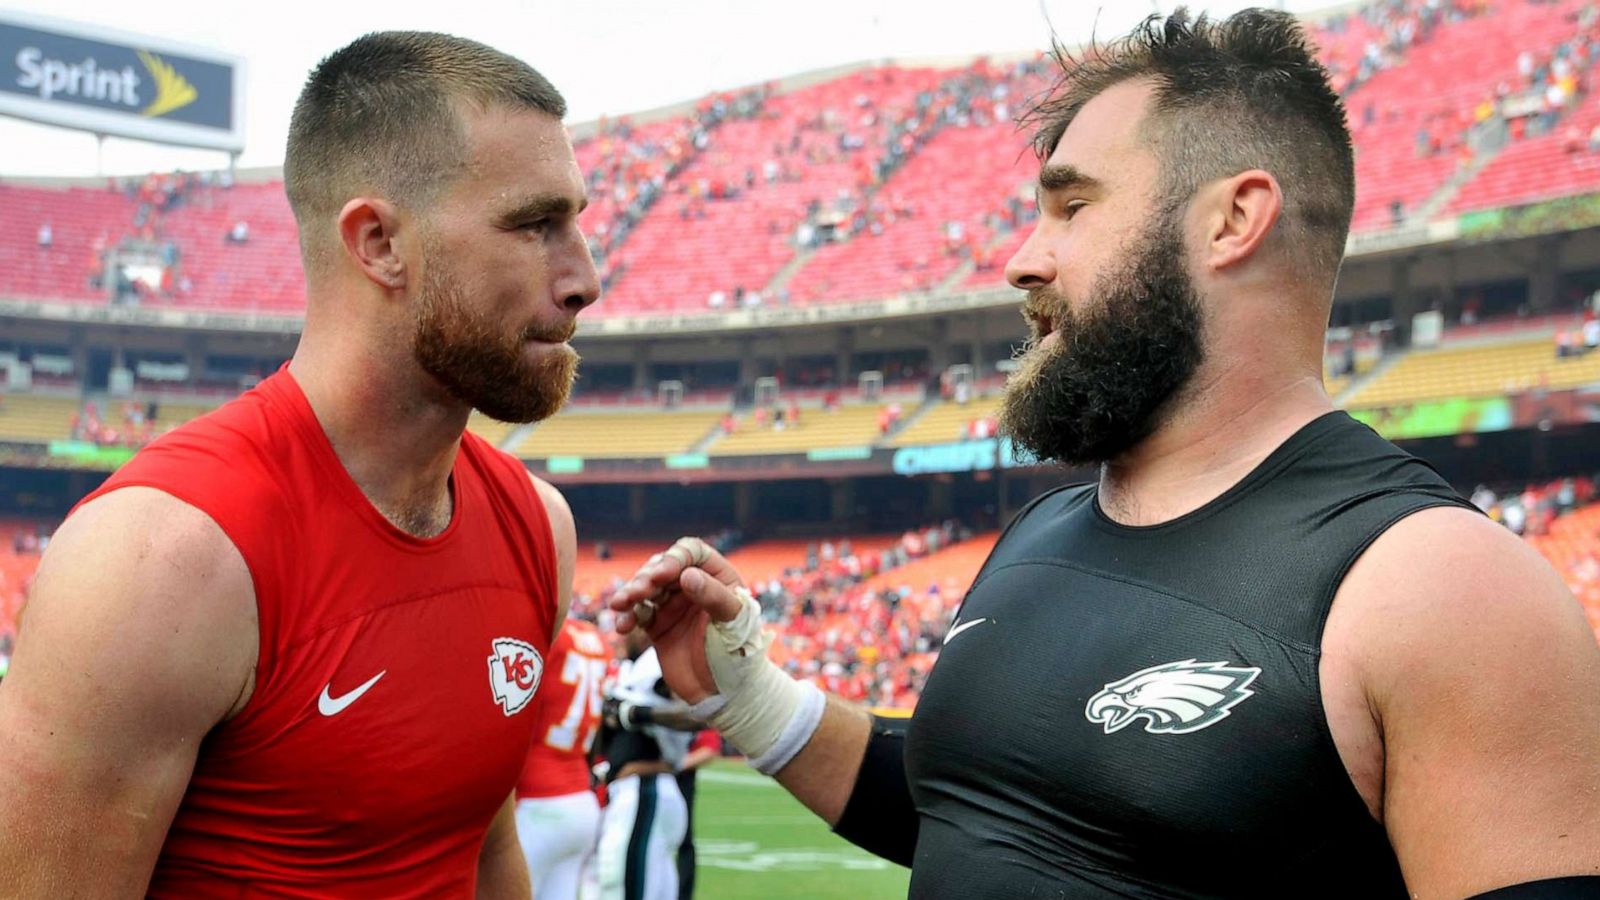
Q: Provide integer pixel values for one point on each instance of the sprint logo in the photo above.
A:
(88, 80)
(173, 91)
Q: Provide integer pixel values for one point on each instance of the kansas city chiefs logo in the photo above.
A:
(514, 672)
(1173, 698)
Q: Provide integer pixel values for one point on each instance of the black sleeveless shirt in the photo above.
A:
(1136, 711)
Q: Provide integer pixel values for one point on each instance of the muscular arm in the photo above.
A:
(1484, 679)
(823, 774)
(141, 637)
(502, 869)
(564, 532)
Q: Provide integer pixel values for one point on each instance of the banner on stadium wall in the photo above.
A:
(962, 456)
(1551, 217)
(1439, 418)
(84, 455)
(111, 82)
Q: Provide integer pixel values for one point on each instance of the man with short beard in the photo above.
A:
(289, 649)
(1266, 653)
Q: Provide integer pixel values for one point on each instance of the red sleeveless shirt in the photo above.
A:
(391, 713)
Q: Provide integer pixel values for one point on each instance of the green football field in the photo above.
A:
(754, 842)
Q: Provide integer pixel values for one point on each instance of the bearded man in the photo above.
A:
(1266, 653)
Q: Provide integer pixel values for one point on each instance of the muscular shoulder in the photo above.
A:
(152, 590)
(1479, 670)
(1450, 580)
(557, 508)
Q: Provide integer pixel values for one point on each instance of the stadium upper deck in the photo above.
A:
(882, 181)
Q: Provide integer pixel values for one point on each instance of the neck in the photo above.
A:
(1223, 426)
(394, 429)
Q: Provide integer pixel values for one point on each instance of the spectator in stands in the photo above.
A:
(239, 233)
(1483, 498)
(47, 235)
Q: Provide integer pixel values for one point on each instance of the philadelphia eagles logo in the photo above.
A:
(1173, 698)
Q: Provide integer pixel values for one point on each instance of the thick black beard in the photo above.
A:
(1121, 358)
(483, 366)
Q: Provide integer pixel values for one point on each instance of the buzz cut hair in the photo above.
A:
(1230, 95)
(382, 115)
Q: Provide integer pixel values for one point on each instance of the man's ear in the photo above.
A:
(1239, 214)
(367, 228)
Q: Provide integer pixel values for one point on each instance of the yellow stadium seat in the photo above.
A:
(1484, 371)
(28, 417)
(946, 423)
(490, 430)
(171, 415)
(848, 426)
(617, 434)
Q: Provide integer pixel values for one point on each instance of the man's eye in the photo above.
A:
(539, 225)
(1072, 207)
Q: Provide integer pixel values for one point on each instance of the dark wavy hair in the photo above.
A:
(1240, 93)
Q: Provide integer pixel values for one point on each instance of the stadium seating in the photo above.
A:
(947, 422)
(260, 275)
(78, 218)
(1483, 371)
(962, 175)
(593, 576)
(994, 276)
(608, 434)
(490, 430)
(1441, 81)
(952, 569)
(849, 426)
(1540, 168)
(16, 570)
(720, 224)
(36, 417)
(1573, 547)
(171, 415)
(692, 243)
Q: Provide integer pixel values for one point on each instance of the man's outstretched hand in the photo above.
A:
(709, 635)
(674, 596)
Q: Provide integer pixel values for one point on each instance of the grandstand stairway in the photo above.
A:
(802, 255)
(1451, 189)
(1350, 386)
(909, 419)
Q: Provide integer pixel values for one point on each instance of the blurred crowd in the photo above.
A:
(843, 621)
(1530, 511)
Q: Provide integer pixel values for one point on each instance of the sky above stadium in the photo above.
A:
(608, 57)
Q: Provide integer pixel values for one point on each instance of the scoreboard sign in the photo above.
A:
(108, 82)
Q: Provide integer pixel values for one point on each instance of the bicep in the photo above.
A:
(132, 652)
(502, 868)
(1489, 703)
(564, 534)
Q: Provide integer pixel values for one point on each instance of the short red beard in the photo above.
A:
(480, 364)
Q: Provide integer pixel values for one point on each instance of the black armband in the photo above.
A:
(879, 817)
(1578, 887)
